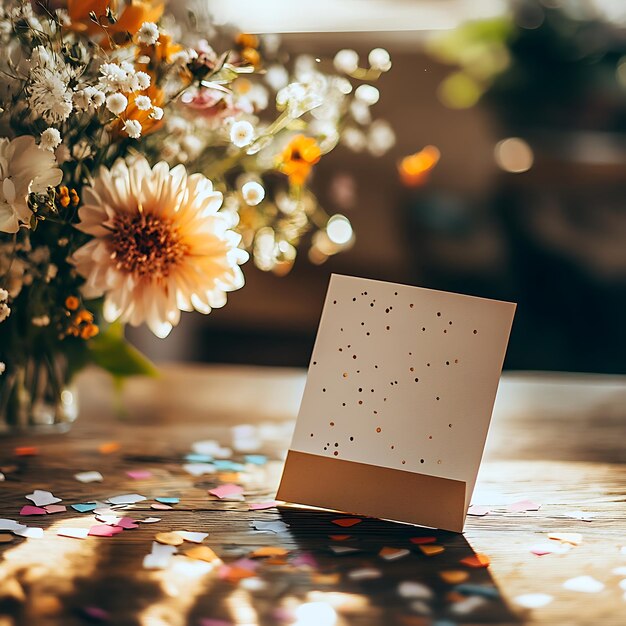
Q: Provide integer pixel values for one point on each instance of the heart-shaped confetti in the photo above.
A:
(431, 550)
(73, 533)
(226, 491)
(476, 560)
(169, 539)
(346, 522)
(103, 530)
(202, 553)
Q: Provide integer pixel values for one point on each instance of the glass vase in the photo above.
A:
(35, 397)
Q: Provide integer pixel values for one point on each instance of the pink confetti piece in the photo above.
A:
(261, 506)
(96, 613)
(208, 621)
(102, 530)
(305, 559)
(55, 508)
(157, 506)
(522, 506)
(224, 491)
(478, 511)
(127, 523)
(139, 474)
(32, 510)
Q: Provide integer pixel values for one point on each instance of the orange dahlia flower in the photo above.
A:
(298, 158)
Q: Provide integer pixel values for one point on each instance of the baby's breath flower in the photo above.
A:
(113, 77)
(148, 34)
(117, 103)
(143, 103)
(157, 113)
(253, 193)
(133, 129)
(88, 98)
(379, 59)
(50, 139)
(368, 94)
(41, 321)
(241, 133)
(346, 61)
(143, 80)
(5, 311)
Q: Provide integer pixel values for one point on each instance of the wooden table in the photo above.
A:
(556, 439)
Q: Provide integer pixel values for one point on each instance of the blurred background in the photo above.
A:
(515, 116)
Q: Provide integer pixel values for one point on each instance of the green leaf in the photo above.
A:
(114, 354)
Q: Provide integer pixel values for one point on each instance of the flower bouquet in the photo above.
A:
(142, 161)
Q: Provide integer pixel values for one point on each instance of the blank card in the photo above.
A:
(397, 403)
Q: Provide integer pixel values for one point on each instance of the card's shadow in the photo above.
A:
(476, 600)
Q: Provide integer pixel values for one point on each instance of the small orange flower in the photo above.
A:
(162, 51)
(251, 56)
(72, 303)
(148, 123)
(297, 159)
(246, 40)
(88, 331)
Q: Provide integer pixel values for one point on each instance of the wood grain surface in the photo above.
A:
(556, 440)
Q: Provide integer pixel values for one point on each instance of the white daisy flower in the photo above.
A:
(50, 139)
(143, 103)
(241, 133)
(148, 34)
(253, 193)
(133, 129)
(116, 103)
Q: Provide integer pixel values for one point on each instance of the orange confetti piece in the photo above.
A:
(275, 560)
(454, 576)
(109, 447)
(26, 451)
(326, 579)
(230, 477)
(423, 540)
(202, 553)
(346, 522)
(270, 551)
(339, 537)
(234, 574)
(431, 550)
(169, 539)
(476, 560)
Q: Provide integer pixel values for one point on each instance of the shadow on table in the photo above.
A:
(475, 600)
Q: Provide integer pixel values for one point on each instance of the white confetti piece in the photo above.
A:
(30, 532)
(73, 533)
(550, 547)
(272, 527)
(11, 525)
(584, 584)
(410, 589)
(573, 538)
(198, 469)
(582, 516)
(42, 498)
(128, 498)
(150, 520)
(343, 550)
(365, 573)
(620, 571)
(623, 550)
(192, 537)
(160, 556)
(88, 477)
(398, 554)
(534, 600)
(467, 606)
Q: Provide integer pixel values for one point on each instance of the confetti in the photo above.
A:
(583, 584)
(198, 458)
(550, 547)
(30, 532)
(192, 537)
(620, 571)
(574, 539)
(226, 491)
(339, 537)
(32, 510)
(273, 527)
(10, 525)
(429, 550)
(85, 507)
(127, 523)
(346, 522)
(365, 573)
(476, 560)
(228, 466)
(139, 474)
(109, 447)
(73, 533)
(128, 498)
(159, 557)
(485, 591)
(523, 506)
(159, 506)
(210, 447)
(95, 613)
(454, 576)
(26, 451)
(103, 530)
(533, 600)
(392, 554)
(149, 520)
(198, 469)
(256, 459)
(42, 498)
(167, 500)
(423, 540)
(214, 622)
(339, 550)
(582, 516)
(169, 539)
(261, 506)
(410, 589)
(202, 553)
(55, 508)
(478, 511)
(6, 538)
(89, 477)
(268, 551)
(467, 606)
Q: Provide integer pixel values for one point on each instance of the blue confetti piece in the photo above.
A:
(256, 459)
(194, 457)
(85, 507)
(486, 591)
(168, 500)
(228, 466)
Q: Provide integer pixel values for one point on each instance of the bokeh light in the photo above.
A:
(513, 155)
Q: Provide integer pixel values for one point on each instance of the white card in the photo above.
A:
(398, 400)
